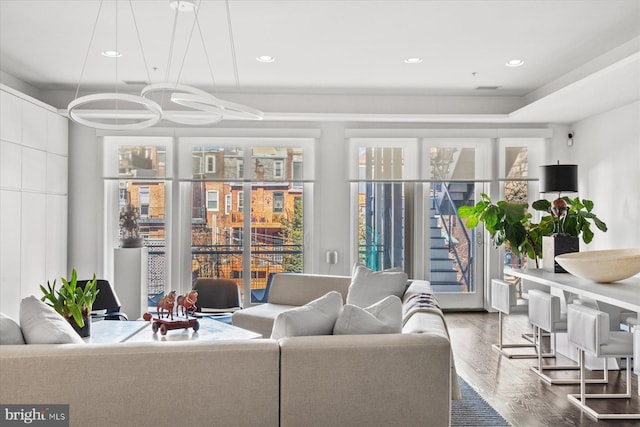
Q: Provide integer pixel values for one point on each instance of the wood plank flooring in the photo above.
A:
(508, 385)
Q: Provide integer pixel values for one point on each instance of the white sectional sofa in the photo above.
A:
(348, 380)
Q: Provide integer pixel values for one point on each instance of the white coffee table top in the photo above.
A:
(113, 331)
(210, 330)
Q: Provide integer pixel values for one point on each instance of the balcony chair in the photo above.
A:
(589, 331)
(545, 315)
(217, 296)
(260, 296)
(107, 305)
(504, 300)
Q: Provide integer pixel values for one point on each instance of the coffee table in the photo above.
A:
(114, 331)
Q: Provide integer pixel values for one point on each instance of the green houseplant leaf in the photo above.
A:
(510, 224)
(71, 300)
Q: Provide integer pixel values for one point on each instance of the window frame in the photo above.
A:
(210, 166)
(215, 200)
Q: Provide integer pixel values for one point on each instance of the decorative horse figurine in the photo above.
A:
(187, 301)
(166, 303)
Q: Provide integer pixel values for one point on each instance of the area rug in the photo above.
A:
(472, 410)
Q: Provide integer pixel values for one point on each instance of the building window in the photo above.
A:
(278, 202)
(210, 164)
(227, 204)
(212, 200)
(197, 165)
(240, 201)
(240, 165)
(143, 201)
(278, 169)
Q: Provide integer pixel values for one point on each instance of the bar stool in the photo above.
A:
(589, 331)
(545, 315)
(503, 299)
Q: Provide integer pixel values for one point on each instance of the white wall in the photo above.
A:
(607, 150)
(85, 201)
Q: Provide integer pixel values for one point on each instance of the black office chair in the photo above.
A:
(259, 296)
(107, 305)
(217, 296)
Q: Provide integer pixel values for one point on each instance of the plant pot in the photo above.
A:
(132, 242)
(553, 246)
(84, 331)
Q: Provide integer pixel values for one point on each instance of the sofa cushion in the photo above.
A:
(383, 317)
(316, 318)
(41, 324)
(10, 332)
(259, 318)
(368, 287)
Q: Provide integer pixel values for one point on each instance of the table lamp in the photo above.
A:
(558, 178)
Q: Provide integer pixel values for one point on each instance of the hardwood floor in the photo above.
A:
(508, 385)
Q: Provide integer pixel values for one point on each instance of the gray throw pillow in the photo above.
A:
(10, 332)
(368, 287)
(383, 317)
(315, 318)
(41, 324)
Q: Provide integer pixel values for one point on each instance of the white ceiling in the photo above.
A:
(343, 57)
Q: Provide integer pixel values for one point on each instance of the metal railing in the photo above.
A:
(447, 219)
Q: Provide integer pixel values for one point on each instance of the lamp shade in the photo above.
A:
(559, 178)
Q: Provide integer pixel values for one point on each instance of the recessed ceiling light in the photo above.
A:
(514, 63)
(111, 53)
(413, 60)
(183, 5)
(265, 58)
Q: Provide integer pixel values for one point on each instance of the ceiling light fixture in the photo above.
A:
(265, 58)
(514, 63)
(111, 53)
(415, 60)
(213, 109)
(114, 119)
(183, 5)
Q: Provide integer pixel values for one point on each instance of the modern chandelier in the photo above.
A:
(202, 108)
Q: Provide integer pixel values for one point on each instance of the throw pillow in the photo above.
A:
(41, 324)
(315, 318)
(383, 317)
(368, 287)
(10, 332)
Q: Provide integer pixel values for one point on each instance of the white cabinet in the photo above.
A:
(34, 126)
(56, 181)
(56, 239)
(33, 239)
(10, 225)
(10, 117)
(34, 170)
(33, 197)
(57, 134)
(10, 165)
(130, 280)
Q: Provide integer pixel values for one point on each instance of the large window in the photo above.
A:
(136, 170)
(381, 208)
(248, 240)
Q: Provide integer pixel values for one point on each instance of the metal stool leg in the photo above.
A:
(501, 346)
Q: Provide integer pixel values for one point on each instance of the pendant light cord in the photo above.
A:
(86, 57)
(195, 23)
(233, 47)
(144, 58)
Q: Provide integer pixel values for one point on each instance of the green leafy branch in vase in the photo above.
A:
(509, 223)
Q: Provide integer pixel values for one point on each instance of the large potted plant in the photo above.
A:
(510, 224)
(73, 302)
(570, 219)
